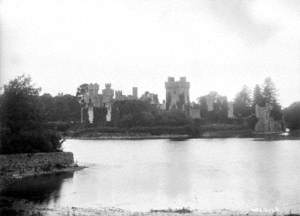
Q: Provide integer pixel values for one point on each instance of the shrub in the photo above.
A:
(30, 141)
(23, 128)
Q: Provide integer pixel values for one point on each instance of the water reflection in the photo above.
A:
(42, 189)
(205, 174)
(177, 172)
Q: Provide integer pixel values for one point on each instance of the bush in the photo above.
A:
(30, 141)
(58, 126)
(23, 128)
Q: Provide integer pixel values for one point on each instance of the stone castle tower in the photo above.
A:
(177, 94)
(108, 94)
(135, 92)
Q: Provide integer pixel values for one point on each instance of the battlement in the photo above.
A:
(181, 83)
(171, 79)
(182, 79)
(107, 85)
(135, 92)
(118, 93)
(93, 88)
(177, 93)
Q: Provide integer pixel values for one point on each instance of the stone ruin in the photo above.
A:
(265, 121)
(119, 96)
(230, 113)
(195, 112)
(93, 99)
(151, 98)
(107, 99)
(213, 97)
(177, 94)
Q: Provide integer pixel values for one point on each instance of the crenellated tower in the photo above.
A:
(177, 94)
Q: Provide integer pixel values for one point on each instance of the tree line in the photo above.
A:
(26, 116)
(66, 108)
(244, 103)
(263, 95)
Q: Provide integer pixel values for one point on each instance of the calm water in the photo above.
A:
(205, 174)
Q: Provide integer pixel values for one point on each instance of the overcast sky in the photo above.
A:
(218, 45)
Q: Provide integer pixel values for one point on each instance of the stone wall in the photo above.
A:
(24, 163)
(177, 91)
(265, 122)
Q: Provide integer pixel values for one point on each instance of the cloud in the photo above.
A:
(239, 17)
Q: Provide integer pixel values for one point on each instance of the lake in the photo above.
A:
(204, 174)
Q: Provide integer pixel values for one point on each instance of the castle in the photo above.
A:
(177, 97)
(177, 94)
(266, 123)
(91, 99)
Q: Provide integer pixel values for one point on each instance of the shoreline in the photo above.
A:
(181, 137)
(174, 132)
(10, 177)
(131, 137)
(22, 207)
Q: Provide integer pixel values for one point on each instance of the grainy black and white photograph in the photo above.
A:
(149, 108)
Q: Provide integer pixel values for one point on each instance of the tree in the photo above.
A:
(242, 103)
(66, 108)
(276, 112)
(270, 97)
(23, 124)
(219, 107)
(129, 113)
(47, 105)
(133, 113)
(257, 97)
(61, 108)
(81, 91)
(203, 106)
(292, 116)
(173, 117)
(269, 91)
(100, 115)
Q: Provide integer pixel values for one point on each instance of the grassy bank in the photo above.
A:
(133, 132)
(159, 132)
(195, 130)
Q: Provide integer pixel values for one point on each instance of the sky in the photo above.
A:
(217, 45)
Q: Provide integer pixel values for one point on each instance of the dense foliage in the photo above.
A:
(220, 108)
(23, 126)
(214, 107)
(269, 95)
(132, 113)
(60, 108)
(242, 103)
(60, 112)
(257, 97)
(269, 92)
(292, 116)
